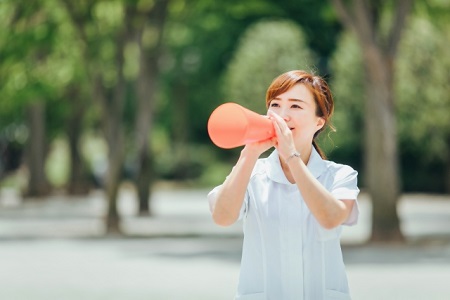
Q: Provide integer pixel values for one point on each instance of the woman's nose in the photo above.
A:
(284, 114)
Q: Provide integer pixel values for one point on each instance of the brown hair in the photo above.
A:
(318, 87)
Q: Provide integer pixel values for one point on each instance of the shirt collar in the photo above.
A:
(316, 165)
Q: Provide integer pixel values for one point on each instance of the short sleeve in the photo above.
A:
(212, 196)
(345, 187)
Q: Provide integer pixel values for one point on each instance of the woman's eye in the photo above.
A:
(296, 106)
(274, 105)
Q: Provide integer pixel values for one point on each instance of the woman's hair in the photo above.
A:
(318, 87)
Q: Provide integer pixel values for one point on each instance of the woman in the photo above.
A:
(293, 203)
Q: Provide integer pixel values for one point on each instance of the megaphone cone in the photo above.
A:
(231, 125)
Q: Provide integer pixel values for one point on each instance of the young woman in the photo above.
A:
(293, 203)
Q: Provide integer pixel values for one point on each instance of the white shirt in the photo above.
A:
(286, 253)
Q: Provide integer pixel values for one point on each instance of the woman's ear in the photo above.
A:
(320, 123)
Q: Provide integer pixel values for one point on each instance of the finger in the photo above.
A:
(280, 121)
(276, 119)
(274, 115)
(276, 125)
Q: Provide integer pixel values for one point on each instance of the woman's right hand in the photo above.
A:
(258, 148)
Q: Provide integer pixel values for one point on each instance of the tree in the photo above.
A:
(265, 50)
(378, 27)
(347, 85)
(319, 24)
(423, 97)
(199, 42)
(73, 97)
(108, 33)
(422, 104)
(152, 19)
(104, 29)
(27, 84)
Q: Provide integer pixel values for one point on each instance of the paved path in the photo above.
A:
(118, 269)
(54, 249)
(185, 213)
(195, 268)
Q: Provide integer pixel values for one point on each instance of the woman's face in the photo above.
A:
(298, 108)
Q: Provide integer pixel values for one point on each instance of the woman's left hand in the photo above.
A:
(284, 139)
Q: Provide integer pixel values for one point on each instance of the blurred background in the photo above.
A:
(105, 159)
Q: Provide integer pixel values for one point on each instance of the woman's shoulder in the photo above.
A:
(339, 168)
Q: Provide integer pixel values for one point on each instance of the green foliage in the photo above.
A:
(200, 40)
(215, 52)
(347, 86)
(423, 91)
(58, 164)
(423, 95)
(266, 50)
(422, 99)
(319, 23)
(35, 67)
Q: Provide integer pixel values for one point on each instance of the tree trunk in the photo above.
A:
(78, 182)
(116, 145)
(113, 120)
(381, 159)
(447, 167)
(381, 150)
(111, 99)
(144, 183)
(112, 184)
(146, 96)
(180, 129)
(36, 151)
(146, 91)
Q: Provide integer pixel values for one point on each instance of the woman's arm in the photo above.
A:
(228, 202)
(329, 211)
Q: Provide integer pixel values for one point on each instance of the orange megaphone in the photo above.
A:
(231, 125)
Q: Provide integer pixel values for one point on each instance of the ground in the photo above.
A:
(55, 249)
